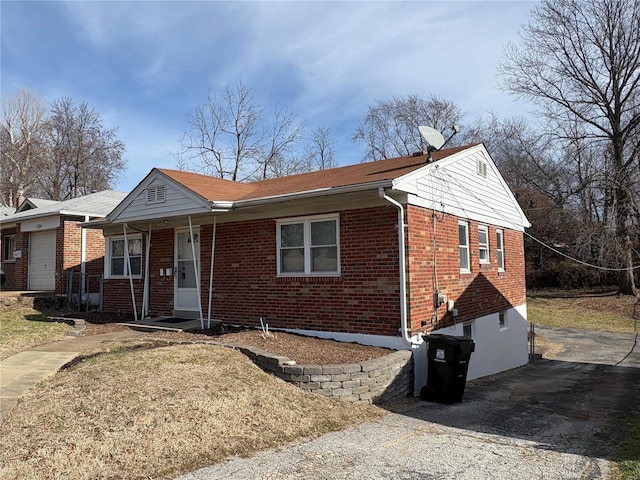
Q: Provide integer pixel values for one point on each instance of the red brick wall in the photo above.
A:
(364, 299)
(69, 249)
(22, 263)
(479, 293)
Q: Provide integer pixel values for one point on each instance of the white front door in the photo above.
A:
(42, 260)
(186, 292)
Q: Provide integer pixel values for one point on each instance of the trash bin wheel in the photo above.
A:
(427, 393)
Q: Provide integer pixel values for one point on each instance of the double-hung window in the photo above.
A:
(483, 243)
(309, 246)
(463, 242)
(500, 249)
(8, 247)
(116, 263)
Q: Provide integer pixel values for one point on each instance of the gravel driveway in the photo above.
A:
(554, 419)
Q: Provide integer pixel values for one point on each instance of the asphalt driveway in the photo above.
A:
(553, 419)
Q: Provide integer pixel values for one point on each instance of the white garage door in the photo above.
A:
(42, 261)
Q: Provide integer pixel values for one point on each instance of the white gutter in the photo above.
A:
(128, 260)
(313, 193)
(195, 271)
(213, 251)
(402, 268)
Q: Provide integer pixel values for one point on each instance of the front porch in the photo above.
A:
(171, 324)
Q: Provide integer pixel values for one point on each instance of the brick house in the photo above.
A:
(42, 241)
(378, 253)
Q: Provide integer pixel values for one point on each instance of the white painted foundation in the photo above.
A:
(497, 348)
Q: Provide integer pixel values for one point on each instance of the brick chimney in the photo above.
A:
(21, 198)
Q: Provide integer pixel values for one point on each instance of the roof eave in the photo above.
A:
(318, 192)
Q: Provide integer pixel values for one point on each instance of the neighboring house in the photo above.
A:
(379, 253)
(42, 242)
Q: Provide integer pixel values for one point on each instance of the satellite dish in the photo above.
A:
(433, 137)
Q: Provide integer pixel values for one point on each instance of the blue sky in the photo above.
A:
(145, 65)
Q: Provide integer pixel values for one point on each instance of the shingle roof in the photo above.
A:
(96, 205)
(212, 188)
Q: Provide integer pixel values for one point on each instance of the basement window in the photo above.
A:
(309, 246)
(156, 194)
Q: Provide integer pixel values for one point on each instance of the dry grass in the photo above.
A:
(599, 311)
(21, 329)
(150, 413)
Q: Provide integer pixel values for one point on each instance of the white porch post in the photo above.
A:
(128, 260)
(145, 291)
(195, 269)
(213, 251)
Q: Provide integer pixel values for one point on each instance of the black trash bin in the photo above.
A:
(448, 358)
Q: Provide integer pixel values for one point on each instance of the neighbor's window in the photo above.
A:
(483, 243)
(8, 247)
(117, 260)
(308, 246)
(463, 241)
(500, 249)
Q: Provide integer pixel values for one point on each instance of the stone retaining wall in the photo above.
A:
(381, 380)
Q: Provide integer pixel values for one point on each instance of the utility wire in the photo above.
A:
(500, 214)
(608, 269)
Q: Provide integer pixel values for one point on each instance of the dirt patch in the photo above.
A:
(302, 349)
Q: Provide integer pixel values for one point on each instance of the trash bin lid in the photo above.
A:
(464, 345)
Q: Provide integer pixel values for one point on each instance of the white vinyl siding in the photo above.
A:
(454, 186)
(308, 246)
(463, 242)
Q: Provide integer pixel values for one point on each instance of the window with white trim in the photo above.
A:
(116, 260)
(8, 247)
(483, 243)
(500, 249)
(463, 242)
(309, 246)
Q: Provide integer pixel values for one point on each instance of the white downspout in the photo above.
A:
(128, 260)
(213, 251)
(403, 279)
(195, 271)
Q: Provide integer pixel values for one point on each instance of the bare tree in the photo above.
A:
(282, 137)
(21, 145)
(390, 128)
(83, 156)
(579, 61)
(230, 138)
(320, 151)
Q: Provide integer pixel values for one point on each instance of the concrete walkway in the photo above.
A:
(22, 371)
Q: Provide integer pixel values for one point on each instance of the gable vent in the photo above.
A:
(156, 194)
(481, 168)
